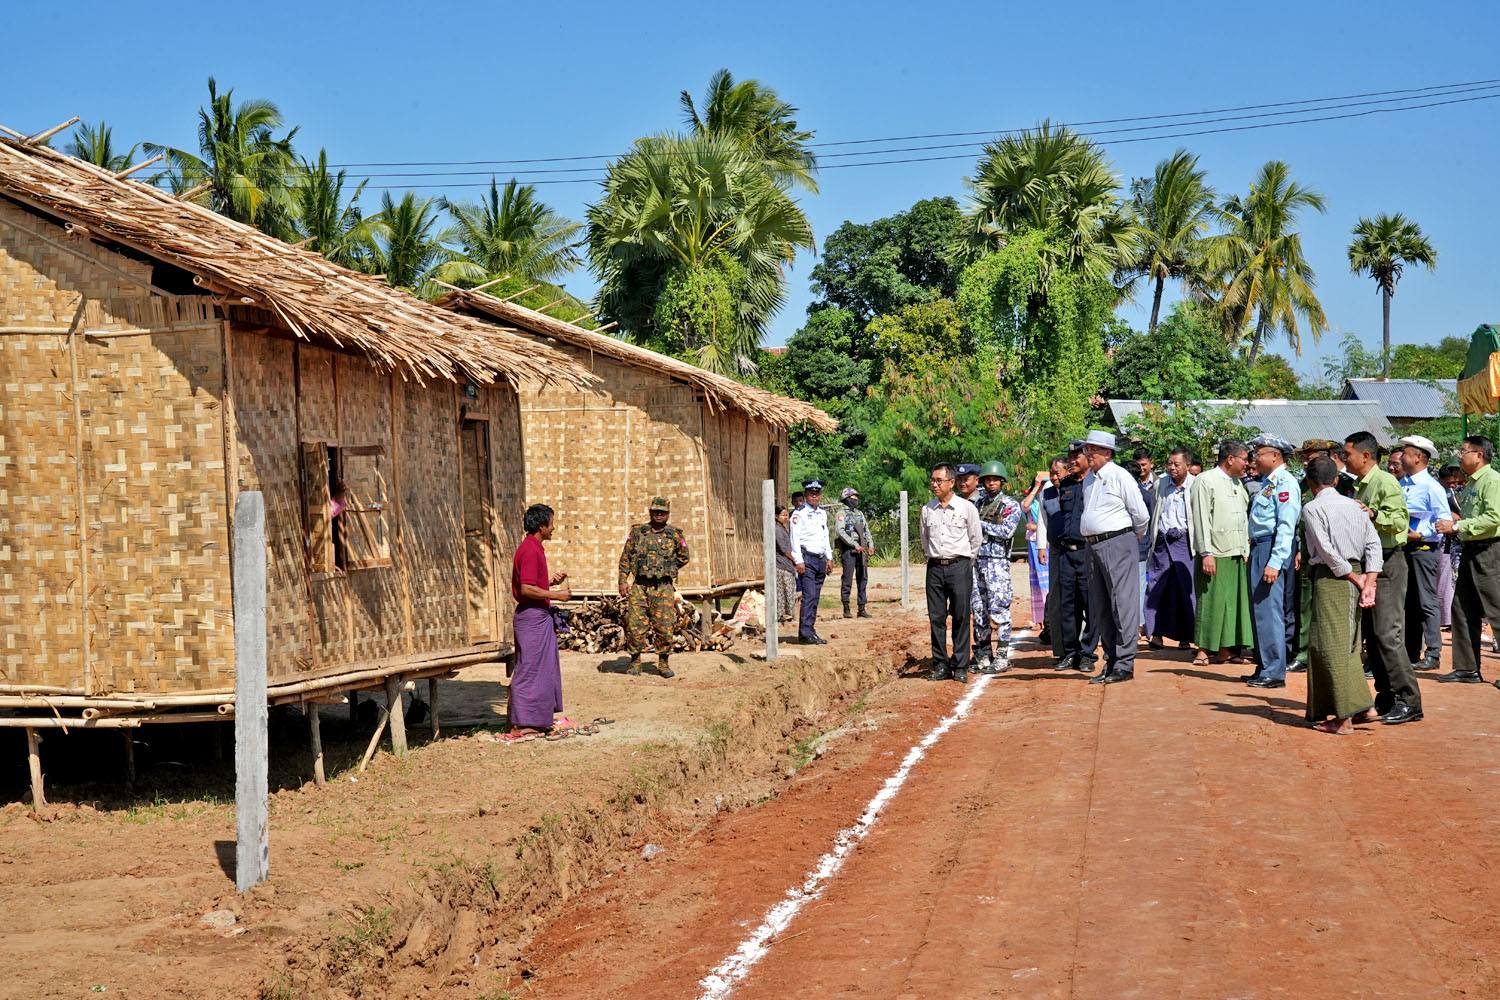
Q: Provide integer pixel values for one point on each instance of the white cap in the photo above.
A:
(1418, 441)
(1100, 439)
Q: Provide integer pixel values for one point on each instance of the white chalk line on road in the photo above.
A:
(719, 983)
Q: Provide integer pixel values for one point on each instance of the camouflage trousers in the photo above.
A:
(990, 601)
(650, 614)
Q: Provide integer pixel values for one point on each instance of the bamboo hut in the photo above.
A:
(157, 359)
(649, 425)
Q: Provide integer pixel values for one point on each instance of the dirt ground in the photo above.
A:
(1179, 836)
(105, 891)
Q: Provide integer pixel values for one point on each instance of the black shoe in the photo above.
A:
(1066, 663)
(1109, 675)
(1461, 677)
(846, 612)
(1265, 682)
(1370, 675)
(1044, 637)
(1402, 712)
(808, 640)
(962, 676)
(819, 639)
(1084, 664)
(865, 614)
(939, 674)
(1297, 668)
(1247, 678)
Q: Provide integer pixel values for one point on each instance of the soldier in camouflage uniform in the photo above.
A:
(654, 552)
(999, 515)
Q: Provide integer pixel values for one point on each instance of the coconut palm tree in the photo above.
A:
(1381, 248)
(1259, 267)
(326, 222)
(511, 232)
(1051, 179)
(404, 246)
(94, 144)
(752, 115)
(247, 168)
(690, 240)
(1173, 210)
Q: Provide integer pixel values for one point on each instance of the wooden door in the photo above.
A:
(479, 525)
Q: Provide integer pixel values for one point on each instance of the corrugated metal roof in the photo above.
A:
(1297, 420)
(1406, 398)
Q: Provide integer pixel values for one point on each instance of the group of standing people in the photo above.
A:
(1349, 573)
(805, 556)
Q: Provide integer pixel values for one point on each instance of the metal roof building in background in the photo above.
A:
(1297, 420)
(1407, 399)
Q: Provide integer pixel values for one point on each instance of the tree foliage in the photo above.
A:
(95, 144)
(325, 220)
(1196, 426)
(1173, 211)
(752, 115)
(1187, 358)
(874, 268)
(509, 233)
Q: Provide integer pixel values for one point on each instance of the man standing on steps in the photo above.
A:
(1426, 504)
(851, 536)
(1397, 697)
(1476, 595)
(951, 536)
(1114, 519)
(654, 553)
(812, 552)
(993, 593)
(1274, 510)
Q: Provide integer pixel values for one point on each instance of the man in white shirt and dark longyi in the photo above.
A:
(951, 535)
(1114, 519)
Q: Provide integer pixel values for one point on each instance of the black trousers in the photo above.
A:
(1394, 679)
(1075, 634)
(1476, 597)
(948, 591)
(855, 564)
(1424, 637)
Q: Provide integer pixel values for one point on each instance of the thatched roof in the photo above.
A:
(719, 391)
(305, 292)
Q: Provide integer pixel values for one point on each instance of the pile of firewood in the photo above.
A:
(598, 626)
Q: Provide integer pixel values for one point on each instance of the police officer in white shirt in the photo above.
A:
(1114, 519)
(811, 550)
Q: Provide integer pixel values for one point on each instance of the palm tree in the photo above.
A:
(324, 221)
(93, 144)
(1259, 267)
(700, 218)
(1051, 179)
(512, 233)
(1173, 210)
(752, 115)
(245, 165)
(404, 247)
(1381, 248)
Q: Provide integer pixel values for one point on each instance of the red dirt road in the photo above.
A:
(1180, 836)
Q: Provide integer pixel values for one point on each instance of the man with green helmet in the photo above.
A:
(999, 515)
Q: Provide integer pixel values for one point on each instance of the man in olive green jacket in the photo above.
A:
(1221, 542)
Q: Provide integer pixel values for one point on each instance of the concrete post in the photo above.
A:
(905, 555)
(251, 740)
(768, 533)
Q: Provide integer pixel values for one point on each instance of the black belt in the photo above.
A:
(1068, 545)
(1421, 546)
(1264, 538)
(1387, 553)
(1478, 543)
(948, 560)
(1096, 539)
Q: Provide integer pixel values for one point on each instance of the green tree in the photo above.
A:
(751, 115)
(1272, 377)
(1445, 359)
(324, 220)
(1050, 179)
(1173, 210)
(1185, 359)
(511, 233)
(1351, 360)
(920, 335)
(1381, 248)
(95, 144)
(247, 167)
(694, 214)
(875, 268)
(405, 247)
(1199, 427)
(820, 363)
(1261, 271)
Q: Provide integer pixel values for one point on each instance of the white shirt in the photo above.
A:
(951, 531)
(1173, 501)
(810, 533)
(1112, 501)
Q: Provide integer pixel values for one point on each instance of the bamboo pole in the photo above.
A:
(194, 192)
(27, 689)
(517, 295)
(493, 281)
(129, 758)
(140, 166)
(41, 137)
(395, 708)
(34, 762)
(315, 734)
(374, 739)
(549, 305)
(75, 389)
(72, 701)
(432, 706)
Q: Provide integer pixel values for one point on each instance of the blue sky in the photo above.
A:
(443, 81)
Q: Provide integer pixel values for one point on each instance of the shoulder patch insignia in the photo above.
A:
(1283, 496)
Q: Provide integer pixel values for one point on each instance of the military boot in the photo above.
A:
(662, 667)
(633, 668)
(846, 612)
(864, 612)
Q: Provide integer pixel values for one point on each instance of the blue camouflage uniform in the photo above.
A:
(999, 516)
(1274, 509)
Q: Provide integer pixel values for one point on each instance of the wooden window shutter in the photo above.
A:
(315, 517)
(364, 529)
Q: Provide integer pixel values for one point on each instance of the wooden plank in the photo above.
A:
(251, 737)
(315, 734)
(396, 710)
(34, 762)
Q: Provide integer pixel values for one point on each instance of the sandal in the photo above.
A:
(586, 731)
(1331, 727)
(514, 737)
(558, 735)
(1201, 660)
(602, 721)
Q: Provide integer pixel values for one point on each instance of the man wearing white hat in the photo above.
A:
(1114, 519)
(1426, 504)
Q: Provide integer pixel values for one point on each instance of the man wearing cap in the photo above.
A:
(1426, 504)
(851, 536)
(1476, 593)
(812, 552)
(1274, 509)
(967, 482)
(1114, 518)
(999, 515)
(951, 536)
(1397, 696)
(654, 553)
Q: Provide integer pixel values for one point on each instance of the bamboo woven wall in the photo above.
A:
(130, 598)
(739, 460)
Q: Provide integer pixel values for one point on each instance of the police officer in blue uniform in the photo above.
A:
(1274, 509)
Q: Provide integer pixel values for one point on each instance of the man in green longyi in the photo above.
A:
(1221, 542)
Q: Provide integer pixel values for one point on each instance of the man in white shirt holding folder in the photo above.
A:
(1114, 519)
